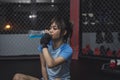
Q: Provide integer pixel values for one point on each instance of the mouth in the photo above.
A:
(51, 35)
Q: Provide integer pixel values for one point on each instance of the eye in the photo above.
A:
(49, 28)
(55, 28)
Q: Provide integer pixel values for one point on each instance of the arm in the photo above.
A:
(48, 58)
(43, 67)
(50, 61)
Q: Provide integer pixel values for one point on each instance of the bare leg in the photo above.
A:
(57, 79)
(20, 76)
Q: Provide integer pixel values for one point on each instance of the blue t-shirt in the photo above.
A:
(63, 70)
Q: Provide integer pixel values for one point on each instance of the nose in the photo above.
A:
(51, 31)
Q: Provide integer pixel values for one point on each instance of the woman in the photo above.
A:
(55, 52)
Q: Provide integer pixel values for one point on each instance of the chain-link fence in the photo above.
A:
(17, 17)
(100, 27)
(25, 16)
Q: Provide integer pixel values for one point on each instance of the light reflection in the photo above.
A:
(7, 27)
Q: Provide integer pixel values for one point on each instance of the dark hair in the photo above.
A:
(63, 24)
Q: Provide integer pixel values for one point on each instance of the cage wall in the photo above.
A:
(100, 28)
(17, 17)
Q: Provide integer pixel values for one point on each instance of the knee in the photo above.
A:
(17, 76)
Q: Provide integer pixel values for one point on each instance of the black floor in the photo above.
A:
(82, 69)
(90, 69)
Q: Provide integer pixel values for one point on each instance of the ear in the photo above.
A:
(65, 32)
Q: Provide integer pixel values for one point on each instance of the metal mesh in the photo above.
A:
(100, 27)
(17, 17)
(25, 16)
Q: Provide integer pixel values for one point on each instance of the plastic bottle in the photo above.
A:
(36, 33)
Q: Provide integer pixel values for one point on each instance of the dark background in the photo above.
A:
(82, 69)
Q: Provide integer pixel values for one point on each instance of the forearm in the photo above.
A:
(43, 67)
(44, 73)
(49, 60)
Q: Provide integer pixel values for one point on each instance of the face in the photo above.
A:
(54, 31)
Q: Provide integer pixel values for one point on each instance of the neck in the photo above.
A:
(57, 43)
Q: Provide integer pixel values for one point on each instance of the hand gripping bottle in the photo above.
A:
(36, 34)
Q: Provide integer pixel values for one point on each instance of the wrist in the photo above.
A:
(44, 46)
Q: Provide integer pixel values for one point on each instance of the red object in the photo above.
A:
(113, 65)
(118, 53)
(109, 53)
(84, 51)
(88, 47)
(74, 17)
(97, 51)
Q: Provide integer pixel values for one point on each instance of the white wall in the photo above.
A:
(18, 44)
(90, 38)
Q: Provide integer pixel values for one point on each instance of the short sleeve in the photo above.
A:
(40, 48)
(66, 53)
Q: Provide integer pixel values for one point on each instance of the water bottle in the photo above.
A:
(36, 33)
